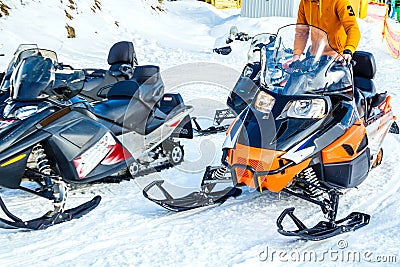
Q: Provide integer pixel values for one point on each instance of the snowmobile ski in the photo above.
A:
(323, 229)
(209, 130)
(47, 220)
(193, 200)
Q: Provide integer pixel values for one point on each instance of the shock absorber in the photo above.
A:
(220, 172)
(42, 164)
(310, 176)
(41, 160)
(57, 187)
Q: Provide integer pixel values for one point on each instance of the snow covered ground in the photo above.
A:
(128, 230)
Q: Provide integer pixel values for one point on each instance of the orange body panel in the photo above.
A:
(335, 153)
(263, 160)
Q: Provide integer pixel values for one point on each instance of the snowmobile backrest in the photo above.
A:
(148, 74)
(122, 53)
(367, 86)
(123, 89)
(365, 65)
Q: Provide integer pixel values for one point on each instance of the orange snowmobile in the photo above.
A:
(313, 130)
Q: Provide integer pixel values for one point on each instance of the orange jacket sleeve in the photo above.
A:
(300, 39)
(348, 17)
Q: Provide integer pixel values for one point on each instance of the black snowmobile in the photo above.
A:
(313, 134)
(55, 139)
(121, 58)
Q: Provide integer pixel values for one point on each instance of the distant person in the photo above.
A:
(397, 7)
(337, 18)
(389, 7)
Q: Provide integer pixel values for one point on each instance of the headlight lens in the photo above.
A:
(264, 102)
(305, 109)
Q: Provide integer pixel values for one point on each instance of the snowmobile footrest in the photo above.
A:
(46, 220)
(192, 200)
(323, 229)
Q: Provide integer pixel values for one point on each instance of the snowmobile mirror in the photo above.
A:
(60, 66)
(223, 50)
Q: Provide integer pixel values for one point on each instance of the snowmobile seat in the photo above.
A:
(118, 99)
(121, 53)
(360, 102)
(364, 73)
(151, 84)
(123, 89)
(126, 107)
(149, 74)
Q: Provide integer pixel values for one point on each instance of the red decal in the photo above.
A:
(116, 155)
(175, 123)
(79, 167)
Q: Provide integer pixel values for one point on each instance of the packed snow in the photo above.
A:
(128, 230)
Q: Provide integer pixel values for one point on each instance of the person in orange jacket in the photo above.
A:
(337, 18)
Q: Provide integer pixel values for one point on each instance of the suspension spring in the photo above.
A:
(41, 160)
(310, 176)
(220, 172)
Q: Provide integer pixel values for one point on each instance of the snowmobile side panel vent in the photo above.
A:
(348, 149)
(80, 133)
(348, 174)
(363, 144)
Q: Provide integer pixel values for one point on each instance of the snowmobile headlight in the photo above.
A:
(305, 109)
(264, 102)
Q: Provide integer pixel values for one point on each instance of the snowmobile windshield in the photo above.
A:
(35, 78)
(31, 78)
(24, 51)
(320, 69)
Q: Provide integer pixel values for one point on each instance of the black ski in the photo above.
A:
(323, 229)
(46, 221)
(191, 201)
